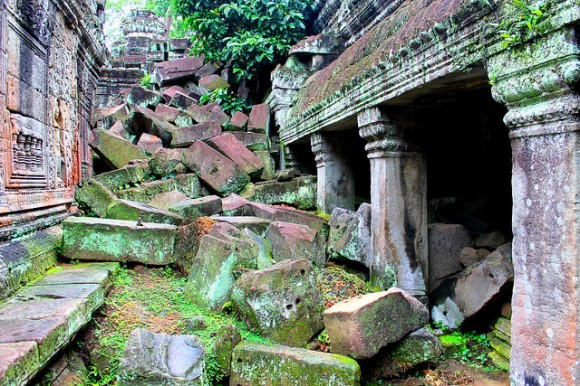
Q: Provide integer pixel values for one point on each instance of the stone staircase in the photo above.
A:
(44, 316)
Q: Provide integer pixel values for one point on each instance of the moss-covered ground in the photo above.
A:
(149, 298)
(152, 298)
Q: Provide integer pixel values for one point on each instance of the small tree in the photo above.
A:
(248, 34)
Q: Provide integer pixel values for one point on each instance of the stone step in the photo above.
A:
(43, 317)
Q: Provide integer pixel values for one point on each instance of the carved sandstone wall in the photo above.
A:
(50, 53)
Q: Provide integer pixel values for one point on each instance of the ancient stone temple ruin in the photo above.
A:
(144, 42)
(415, 139)
(50, 55)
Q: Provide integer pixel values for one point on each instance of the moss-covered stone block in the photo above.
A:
(131, 210)
(223, 253)
(128, 175)
(188, 184)
(115, 151)
(95, 197)
(281, 302)
(359, 327)
(274, 365)
(26, 258)
(299, 192)
(419, 347)
(117, 240)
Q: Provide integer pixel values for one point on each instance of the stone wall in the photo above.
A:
(50, 55)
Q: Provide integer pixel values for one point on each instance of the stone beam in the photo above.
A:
(399, 205)
(334, 171)
(538, 83)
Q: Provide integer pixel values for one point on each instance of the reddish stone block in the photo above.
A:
(359, 327)
(215, 169)
(294, 241)
(259, 120)
(171, 91)
(149, 143)
(185, 136)
(235, 150)
(140, 96)
(177, 71)
(213, 82)
(239, 121)
(167, 112)
(182, 101)
(198, 113)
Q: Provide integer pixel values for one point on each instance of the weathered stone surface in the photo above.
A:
(178, 70)
(255, 224)
(492, 240)
(287, 174)
(199, 114)
(171, 91)
(115, 151)
(445, 244)
(191, 209)
(259, 120)
(218, 171)
(212, 82)
(36, 324)
(113, 114)
(116, 240)
(300, 192)
(129, 174)
(239, 121)
(217, 114)
(182, 101)
(168, 113)
(359, 327)
(187, 184)
(119, 130)
(255, 364)
(470, 256)
(187, 135)
(132, 211)
(145, 120)
(481, 283)
(167, 200)
(447, 313)
(160, 359)
(295, 241)
(350, 236)
(281, 302)
(228, 337)
(166, 162)
(253, 141)
(419, 347)
(95, 197)
(222, 253)
(269, 171)
(140, 96)
(235, 150)
(149, 143)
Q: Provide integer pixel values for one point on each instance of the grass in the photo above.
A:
(153, 299)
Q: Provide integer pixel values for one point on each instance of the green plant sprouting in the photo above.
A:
(522, 21)
(227, 99)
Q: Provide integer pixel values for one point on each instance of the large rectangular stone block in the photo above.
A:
(275, 365)
(95, 239)
(215, 169)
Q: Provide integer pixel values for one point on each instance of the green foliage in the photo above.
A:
(228, 101)
(522, 21)
(147, 81)
(246, 33)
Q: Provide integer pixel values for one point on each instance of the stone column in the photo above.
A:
(399, 205)
(335, 173)
(538, 83)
